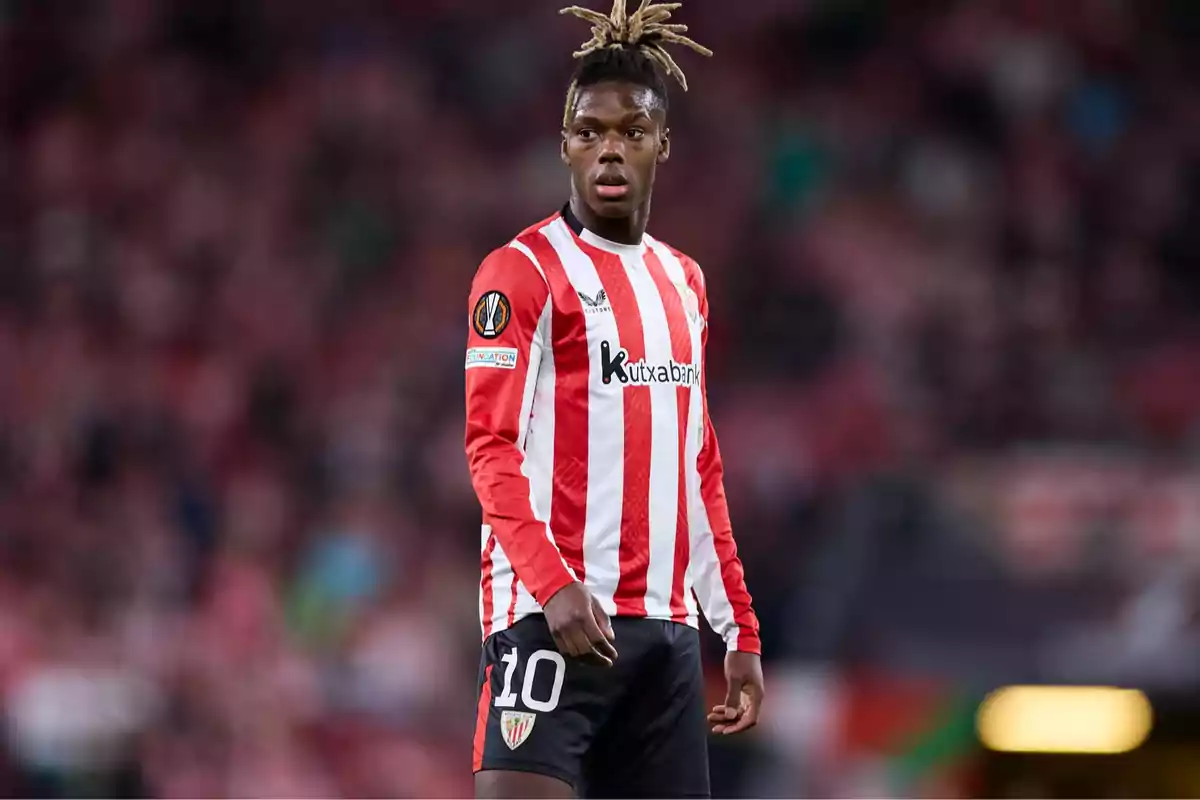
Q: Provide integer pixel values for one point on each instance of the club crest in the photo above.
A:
(516, 727)
(691, 303)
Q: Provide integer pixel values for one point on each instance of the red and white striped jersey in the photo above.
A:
(588, 436)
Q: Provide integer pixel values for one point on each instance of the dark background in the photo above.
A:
(955, 368)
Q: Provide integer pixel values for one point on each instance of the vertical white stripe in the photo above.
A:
(539, 448)
(536, 434)
(706, 571)
(664, 441)
(537, 443)
(538, 422)
(606, 431)
(703, 555)
(485, 531)
(502, 581)
(530, 467)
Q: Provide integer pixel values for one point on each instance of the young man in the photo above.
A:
(593, 456)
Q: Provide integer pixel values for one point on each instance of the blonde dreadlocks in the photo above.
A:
(645, 32)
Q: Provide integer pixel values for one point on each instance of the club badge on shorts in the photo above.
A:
(516, 727)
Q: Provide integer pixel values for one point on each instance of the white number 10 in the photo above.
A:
(508, 698)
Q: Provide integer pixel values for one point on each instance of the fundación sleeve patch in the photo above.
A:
(491, 315)
(493, 357)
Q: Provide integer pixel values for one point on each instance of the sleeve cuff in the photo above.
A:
(560, 579)
(742, 640)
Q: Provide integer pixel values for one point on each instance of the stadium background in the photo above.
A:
(955, 361)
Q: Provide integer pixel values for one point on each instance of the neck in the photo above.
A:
(622, 230)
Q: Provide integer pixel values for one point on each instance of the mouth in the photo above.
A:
(612, 187)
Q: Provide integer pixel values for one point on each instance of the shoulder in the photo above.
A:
(518, 255)
(691, 268)
(508, 260)
(507, 279)
(514, 263)
(536, 228)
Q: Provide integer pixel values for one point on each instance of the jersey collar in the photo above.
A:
(600, 242)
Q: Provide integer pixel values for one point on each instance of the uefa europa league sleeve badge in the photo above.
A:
(492, 314)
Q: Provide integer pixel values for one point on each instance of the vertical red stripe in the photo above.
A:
(481, 718)
(681, 351)
(634, 550)
(495, 401)
(733, 576)
(568, 505)
(512, 602)
(485, 585)
(712, 492)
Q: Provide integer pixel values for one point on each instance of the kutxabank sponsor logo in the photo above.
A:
(618, 367)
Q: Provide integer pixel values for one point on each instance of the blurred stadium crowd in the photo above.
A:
(955, 365)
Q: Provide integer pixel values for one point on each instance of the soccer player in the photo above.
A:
(592, 453)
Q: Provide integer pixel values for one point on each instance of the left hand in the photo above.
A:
(743, 699)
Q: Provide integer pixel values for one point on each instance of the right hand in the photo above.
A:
(579, 625)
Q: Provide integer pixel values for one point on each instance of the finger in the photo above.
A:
(600, 642)
(755, 696)
(561, 643)
(594, 659)
(723, 714)
(602, 620)
(749, 720)
(597, 656)
(752, 697)
(594, 656)
(585, 651)
(576, 642)
(720, 723)
(605, 648)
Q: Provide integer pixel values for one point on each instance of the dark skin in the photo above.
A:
(613, 145)
(618, 134)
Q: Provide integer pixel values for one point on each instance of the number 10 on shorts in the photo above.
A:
(508, 698)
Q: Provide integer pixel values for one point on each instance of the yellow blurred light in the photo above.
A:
(1064, 719)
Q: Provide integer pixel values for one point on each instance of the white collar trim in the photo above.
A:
(613, 247)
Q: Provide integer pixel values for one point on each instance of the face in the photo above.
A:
(613, 144)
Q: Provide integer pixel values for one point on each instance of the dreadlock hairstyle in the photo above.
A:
(629, 47)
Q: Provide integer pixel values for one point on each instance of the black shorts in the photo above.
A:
(636, 729)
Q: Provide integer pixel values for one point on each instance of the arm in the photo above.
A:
(508, 331)
(719, 579)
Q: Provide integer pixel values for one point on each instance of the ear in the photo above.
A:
(664, 146)
(566, 158)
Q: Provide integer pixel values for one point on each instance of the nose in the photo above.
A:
(612, 150)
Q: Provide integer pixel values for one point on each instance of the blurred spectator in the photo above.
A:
(954, 343)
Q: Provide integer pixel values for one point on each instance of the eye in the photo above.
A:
(586, 134)
(636, 134)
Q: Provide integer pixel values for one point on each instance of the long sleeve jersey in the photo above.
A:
(588, 436)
